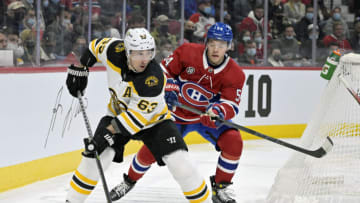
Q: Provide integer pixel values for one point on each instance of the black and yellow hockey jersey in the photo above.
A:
(137, 99)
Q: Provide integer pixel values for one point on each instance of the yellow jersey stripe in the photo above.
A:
(78, 189)
(138, 117)
(197, 190)
(201, 199)
(85, 179)
(156, 117)
(129, 123)
(131, 84)
(112, 66)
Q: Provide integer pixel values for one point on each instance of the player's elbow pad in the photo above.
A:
(87, 58)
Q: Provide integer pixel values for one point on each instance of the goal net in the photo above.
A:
(334, 178)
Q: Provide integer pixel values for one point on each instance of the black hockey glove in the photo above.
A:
(77, 79)
(103, 138)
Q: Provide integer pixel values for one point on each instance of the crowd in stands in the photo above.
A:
(64, 26)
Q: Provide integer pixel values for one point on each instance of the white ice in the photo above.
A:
(257, 169)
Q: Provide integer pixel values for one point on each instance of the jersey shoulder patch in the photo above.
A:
(116, 53)
(150, 83)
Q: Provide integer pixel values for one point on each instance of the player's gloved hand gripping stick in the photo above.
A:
(318, 153)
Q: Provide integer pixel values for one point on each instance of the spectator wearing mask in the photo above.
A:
(355, 38)
(77, 50)
(301, 28)
(204, 18)
(165, 49)
(189, 29)
(337, 36)
(14, 43)
(294, 10)
(161, 30)
(255, 21)
(288, 45)
(258, 39)
(336, 17)
(249, 57)
(244, 36)
(275, 58)
(306, 46)
(15, 14)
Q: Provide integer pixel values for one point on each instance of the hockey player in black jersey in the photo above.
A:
(137, 110)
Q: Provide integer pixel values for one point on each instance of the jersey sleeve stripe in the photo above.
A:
(112, 66)
(164, 114)
(98, 45)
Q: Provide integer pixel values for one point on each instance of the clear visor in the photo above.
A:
(217, 44)
(142, 54)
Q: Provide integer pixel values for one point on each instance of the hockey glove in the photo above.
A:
(171, 93)
(77, 79)
(209, 119)
(103, 138)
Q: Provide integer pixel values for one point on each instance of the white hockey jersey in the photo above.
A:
(137, 99)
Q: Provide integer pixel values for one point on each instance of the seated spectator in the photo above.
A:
(77, 50)
(14, 43)
(249, 57)
(3, 41)
(275, 58)
(189, 28)
(335, 18)
(337, 36)
(355, 38)
(276, 11)
(288, 45)
(306, 45)
(136, 21)
(15, 14)
(301, 28)
(244, 36)
(161, 30)
(165, 49)
(326, 51)
(28, 37)
(203, 19)
(294, 10)
(255, 21)
(241, 9)
(258, 38)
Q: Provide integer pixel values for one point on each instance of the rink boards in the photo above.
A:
(42, 128)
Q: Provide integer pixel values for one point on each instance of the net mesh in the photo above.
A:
(335, 178)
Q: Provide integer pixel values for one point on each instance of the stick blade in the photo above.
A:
(324, 149)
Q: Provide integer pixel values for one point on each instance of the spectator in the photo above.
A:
(51, 9)
(338, 36)
(136, 21)
(288, 45)
(15, 15)
(244, 36)
(165, 49)
(258, 39)
(240, 9)
(77, 50)
(277, 18)
(306, 45)
(336, 18)
(249, 57)
(14, 43)
(355, 38)
(161, 30)
(255, 21)
(275, 58)
(203, 19)
(190, 8)
(301, 28)
(108, 31)
(3, 41)
(294, 10)
(189, 28)
(28, 37)
(326, 51)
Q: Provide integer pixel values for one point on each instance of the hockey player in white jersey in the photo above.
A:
(137, 110)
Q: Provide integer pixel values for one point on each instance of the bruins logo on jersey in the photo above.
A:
(119, 47)
(151, 81)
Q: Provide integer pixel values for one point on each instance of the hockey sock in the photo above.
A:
(86, 176)
(187, 176)
(140, 163)
(231, 145)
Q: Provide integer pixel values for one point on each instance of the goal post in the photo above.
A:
(334, 178)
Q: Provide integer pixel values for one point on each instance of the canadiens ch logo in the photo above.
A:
(151, 81)
(190, 70)
(195, 94)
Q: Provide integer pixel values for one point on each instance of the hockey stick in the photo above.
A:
(349, 89)
(97, 158)
(320, 152)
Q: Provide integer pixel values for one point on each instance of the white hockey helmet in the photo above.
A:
(139, 39)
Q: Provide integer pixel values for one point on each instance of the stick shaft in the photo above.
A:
(316, 153)
(97, 157)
